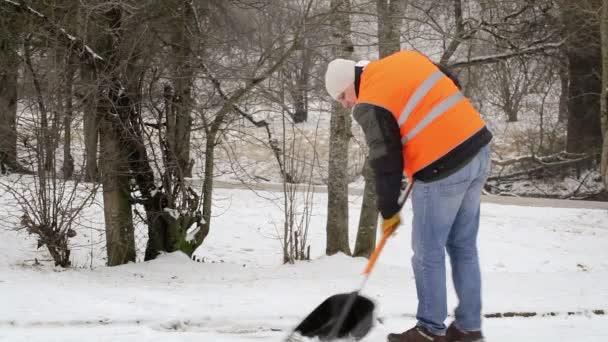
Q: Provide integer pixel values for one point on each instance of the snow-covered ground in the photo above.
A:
(543, 260)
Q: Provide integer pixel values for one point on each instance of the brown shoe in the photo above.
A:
(416, 334)
(454, 334)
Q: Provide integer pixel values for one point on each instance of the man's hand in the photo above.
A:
(389, 225)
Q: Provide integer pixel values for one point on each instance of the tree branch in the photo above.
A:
(77, 44)
(504, 56)
(516, 13)
(458, 36)
(230, 101)
(545, 162)
(271, 141)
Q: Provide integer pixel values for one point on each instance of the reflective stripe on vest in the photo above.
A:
(418, 95)
(434, 113)
(439, 109)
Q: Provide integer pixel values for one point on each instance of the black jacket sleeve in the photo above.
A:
(385, 156)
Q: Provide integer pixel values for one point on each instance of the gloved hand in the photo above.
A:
(389, 225)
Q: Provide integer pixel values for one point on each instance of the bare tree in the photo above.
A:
(297, 202)
(297, 72)
(49, 207)
(175, 208)
(114, 74)
(340, 134)
(265, 65)
(48, 201)
(512, 81)
(115, 112)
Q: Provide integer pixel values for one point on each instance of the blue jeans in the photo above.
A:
(446, 217)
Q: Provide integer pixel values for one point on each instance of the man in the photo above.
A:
(417, 123)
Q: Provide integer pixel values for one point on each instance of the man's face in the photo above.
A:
(348, 98)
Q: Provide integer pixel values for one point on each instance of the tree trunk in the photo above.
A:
(564, 84)
(68, 160)
(337, 186)
(87, 91)
(584, 65)
(368, 219)
(604, 98)
(90, 122)
(44, 151)
(301, 88)
(458, 35)
(120, 238)
(605, 161)
(119, 153)
(340, 125)
(182, 101)
(183, 125)
(389, 26)
(9, 63)
(207, 184)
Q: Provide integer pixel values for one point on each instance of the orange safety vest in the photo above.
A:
(433, 115)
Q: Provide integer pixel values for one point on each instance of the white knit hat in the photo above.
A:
(339, 75)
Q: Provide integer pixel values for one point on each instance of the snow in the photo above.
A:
(534, 259)
(191, 232)
(551, 261)
(91, 52)
(69, 36)
(172, 212)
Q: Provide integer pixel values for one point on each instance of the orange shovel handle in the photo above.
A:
(374, 257)
(376, 253)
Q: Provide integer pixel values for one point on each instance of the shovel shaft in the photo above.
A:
(374, 257)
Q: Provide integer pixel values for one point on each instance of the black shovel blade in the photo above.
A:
(358, 322)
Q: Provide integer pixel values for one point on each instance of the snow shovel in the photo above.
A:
(345, 315)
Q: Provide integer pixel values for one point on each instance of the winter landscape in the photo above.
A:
(176, 170)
